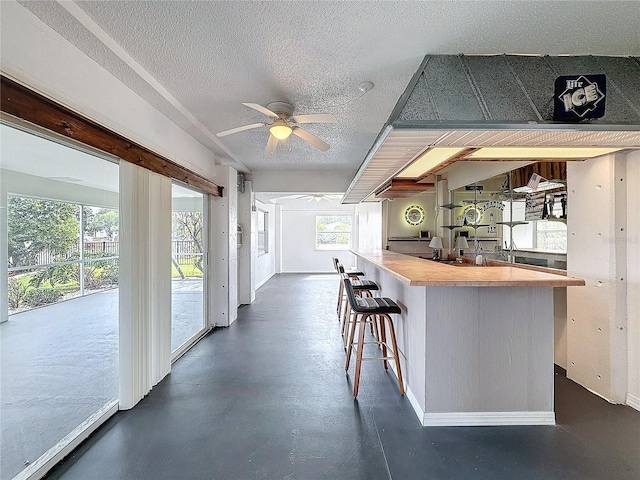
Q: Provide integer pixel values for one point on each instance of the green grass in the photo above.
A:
(61, 287)
(188, 270)
(64, 288)
(24, 280)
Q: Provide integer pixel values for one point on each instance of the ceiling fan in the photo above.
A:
(283, 124)
(330, 197)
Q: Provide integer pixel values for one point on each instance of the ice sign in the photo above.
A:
(579, 97)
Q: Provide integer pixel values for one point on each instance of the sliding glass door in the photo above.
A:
(59, 324)
(188, 247)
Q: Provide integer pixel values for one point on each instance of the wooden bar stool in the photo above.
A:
(365, 310)
(361, 288)
(352, 274)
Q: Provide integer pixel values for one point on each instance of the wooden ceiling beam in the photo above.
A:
(28, 105)
(548, 170)
(402, 188)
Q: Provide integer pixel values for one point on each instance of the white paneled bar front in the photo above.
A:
(476, 343)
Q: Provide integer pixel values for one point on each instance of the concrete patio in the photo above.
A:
(59, 364)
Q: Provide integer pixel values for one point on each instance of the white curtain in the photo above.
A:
(145, 282)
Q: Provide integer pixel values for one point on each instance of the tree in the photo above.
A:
(188, 226)
(36, 225)
(329, 228)
(104, 220)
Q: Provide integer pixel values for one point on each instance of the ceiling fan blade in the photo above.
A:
(239, 129)
(261, 109)
(310, 138)
(272, 143)
(314, 118)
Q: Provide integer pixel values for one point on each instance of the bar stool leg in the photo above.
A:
(346, 317)
(375, 327)
(340, 295)
(394, 346)
(345, 323)
(383, 341)
(350, 337)
(359, 352)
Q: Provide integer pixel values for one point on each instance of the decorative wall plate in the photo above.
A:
(472, 215)
(414, 215)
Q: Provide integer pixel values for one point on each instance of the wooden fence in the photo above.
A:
(185, 252)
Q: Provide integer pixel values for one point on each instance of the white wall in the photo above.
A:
(35, 55)
(265, 264)
(597, 252)
(560, 327)
(299, 181)
(222, 275)
(466, 173)
(254, 269)
(246, 251)
(369, 221)
(397, 226)
(633, 279)
(278, 238)
(298, 223)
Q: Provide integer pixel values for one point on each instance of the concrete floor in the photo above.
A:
(267, 398)
(59, 364)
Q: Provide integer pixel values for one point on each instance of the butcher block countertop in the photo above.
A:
(418, 272)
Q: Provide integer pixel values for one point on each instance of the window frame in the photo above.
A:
(536, 230)
(264, 232)
(319, 246)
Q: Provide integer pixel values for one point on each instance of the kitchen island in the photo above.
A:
(476, 343)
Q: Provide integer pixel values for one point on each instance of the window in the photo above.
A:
(188, 244)
(47, 262)
(59, 360)
(263, 244)
(544, 235)
(333, 232)
(551, 236)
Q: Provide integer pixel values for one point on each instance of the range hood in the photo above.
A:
(476, 101)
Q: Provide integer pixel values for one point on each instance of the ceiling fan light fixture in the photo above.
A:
(280, 129)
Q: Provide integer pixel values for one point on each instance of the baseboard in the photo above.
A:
(476, 419)
(633, 401)
(306, 272)
(264, 281)
(414, 403)
(409, 394)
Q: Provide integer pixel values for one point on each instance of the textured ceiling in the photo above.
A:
(211, 56)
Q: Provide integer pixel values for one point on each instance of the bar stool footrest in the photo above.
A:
(378, 358)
